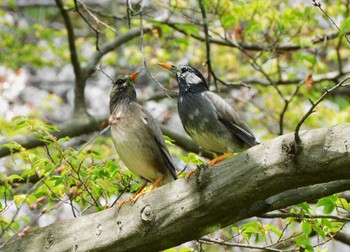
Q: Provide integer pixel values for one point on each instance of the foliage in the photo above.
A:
(60, 174)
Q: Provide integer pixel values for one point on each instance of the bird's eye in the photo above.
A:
(119, 81)
(184, 69)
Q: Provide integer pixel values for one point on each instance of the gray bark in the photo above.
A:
(244, 186)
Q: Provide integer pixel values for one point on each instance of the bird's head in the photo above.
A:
(123, 89)
(188, 78)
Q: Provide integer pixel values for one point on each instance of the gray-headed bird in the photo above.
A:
(207, 118)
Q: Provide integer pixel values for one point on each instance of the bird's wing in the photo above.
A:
(229, 117)
(154, 129)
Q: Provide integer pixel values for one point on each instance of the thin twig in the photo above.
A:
(285, 108)
(318, 5)
(97, 31)
(314, 105)
(206, 36)
(304, 216)
(331, 237)
(233, 244)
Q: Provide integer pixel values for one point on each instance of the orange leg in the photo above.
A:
(140, 192)
(135, 195)
(192, 172)
(220, 158)
(154, 185)
(211, 163)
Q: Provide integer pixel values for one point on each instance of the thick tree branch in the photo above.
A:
(214, 198)
(79, 94)
(73, 128)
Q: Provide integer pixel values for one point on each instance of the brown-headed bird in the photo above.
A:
(137, 137)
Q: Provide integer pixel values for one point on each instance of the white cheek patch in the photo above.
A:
(192, 79)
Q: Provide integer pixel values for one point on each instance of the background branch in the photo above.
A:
(79, 127)
(249, 46)
(79, 94)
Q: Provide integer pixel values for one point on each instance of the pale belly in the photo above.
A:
(136, 144)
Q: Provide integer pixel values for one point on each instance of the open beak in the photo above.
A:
(170, 67)
(133, 76)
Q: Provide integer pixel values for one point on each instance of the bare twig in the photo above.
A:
(97, 32)
(285, 108)
(314, 105)
(206, 36)
(304, 216)
(233, 244)
(318, 5)
(111, 45)
(253, 46)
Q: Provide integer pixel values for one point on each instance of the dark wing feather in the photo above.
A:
(158, 136)
(229, 117)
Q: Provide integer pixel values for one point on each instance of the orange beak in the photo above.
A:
(170, 67)
(134, 75)
(166, 66)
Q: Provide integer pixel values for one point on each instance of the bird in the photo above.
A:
(206, 117)
(138, 138)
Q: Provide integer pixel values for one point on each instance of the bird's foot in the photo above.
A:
(196, 170)
(138, 192)
(155, 183)
(192, 172)
(220, 158)
(132, 199)
(123, 202)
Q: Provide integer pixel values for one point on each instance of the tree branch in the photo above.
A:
(215, 197)
(73, 128)
(253, 46)
(111, 45)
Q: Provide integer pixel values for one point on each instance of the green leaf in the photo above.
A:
(235, 229)
(304, 242)
(328, 203)
(11, 178)
(19, 199)
(307, 228)
(273, 229)
(168, 140)
(228, 20)
(344, 27)
(12, 145)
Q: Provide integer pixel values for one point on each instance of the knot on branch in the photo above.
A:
(49, 240)
(147, 214)
(292, 149)
(99, 229)
(202, 178)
